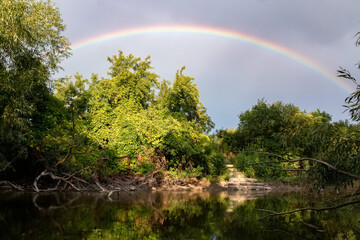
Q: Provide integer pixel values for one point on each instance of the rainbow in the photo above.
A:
(220, 32)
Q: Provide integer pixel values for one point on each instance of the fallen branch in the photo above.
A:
(101, 187)
(11, 185)
(54, 177)
(78, 179)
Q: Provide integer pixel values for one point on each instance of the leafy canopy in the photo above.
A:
(31, 48)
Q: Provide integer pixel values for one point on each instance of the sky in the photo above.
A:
(294, 51)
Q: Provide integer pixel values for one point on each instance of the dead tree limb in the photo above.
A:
(54, 177)
(76, 178)
(99, 185)
(11, 185)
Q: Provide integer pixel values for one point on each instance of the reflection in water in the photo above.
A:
(168, 215)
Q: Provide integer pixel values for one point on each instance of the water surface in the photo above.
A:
(171, 215)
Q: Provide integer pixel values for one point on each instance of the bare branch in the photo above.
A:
(11, 185)
(50, 174)
(101, 187)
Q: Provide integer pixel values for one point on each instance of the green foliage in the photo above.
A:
(31, 30)
(123, 116)
(131, 77)
(183, 174)
(31, 48)
(278, 128)
(341, 149)
(68, 142)
(126, 123)
(284, 130)
(227, 140)
(74, 94)
(256, 166)
(216, 163)
(183, 101)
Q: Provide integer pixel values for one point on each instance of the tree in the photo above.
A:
(146, 124)
(71, 134)
(183, 101)
(31, 48)
(280, 129)
(260, 124)
(133, 78)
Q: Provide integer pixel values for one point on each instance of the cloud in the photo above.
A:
(231, 75)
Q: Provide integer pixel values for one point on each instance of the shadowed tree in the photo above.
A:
(31, 48)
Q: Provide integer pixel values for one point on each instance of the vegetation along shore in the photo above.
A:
(132, 131)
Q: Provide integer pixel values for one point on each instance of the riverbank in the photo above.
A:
(49, 182)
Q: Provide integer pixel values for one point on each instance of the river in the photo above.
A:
(172, 215)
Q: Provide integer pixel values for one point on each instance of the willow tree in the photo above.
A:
(31, 48)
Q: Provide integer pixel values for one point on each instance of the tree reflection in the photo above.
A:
(171, 215)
